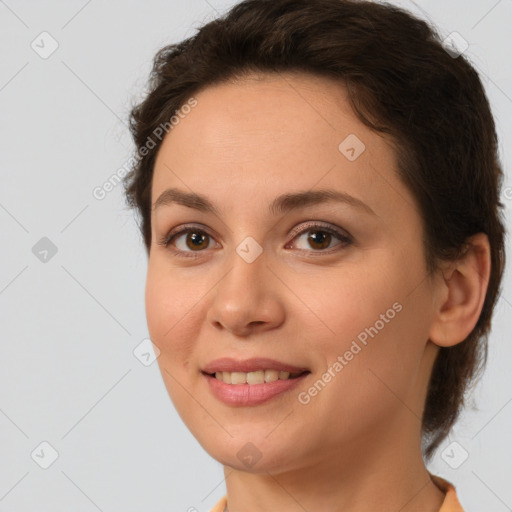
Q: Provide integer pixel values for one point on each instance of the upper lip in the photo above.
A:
(227, 364)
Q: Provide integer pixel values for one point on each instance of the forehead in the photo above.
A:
(234, 117)
(272, 133)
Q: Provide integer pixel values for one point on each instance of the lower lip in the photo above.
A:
(250, 394)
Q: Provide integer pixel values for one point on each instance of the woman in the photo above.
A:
(318, 190)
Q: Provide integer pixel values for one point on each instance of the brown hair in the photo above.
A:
(401, 81)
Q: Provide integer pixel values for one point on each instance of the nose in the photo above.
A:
(247, 299)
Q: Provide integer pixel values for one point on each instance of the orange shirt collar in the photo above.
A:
(450, 503)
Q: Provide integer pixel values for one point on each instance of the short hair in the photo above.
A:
(402, 81)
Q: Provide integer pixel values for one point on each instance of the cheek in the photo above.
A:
(351, 300)
(161, 310)
(172, 327)
(376, 326)
(362, 386)
(171, 304)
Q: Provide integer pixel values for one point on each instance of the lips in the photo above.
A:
(227, 364)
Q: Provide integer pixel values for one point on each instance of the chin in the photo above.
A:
(251, 453)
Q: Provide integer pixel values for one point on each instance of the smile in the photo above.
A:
(242, 393)
(256, 377)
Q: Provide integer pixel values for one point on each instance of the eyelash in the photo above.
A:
(345, 240)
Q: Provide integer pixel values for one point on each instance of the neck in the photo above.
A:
(378, 474)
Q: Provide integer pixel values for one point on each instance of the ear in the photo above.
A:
(461, 293)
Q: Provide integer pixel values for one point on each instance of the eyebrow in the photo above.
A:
(281, 204)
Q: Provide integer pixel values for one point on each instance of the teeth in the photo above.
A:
(258, 377)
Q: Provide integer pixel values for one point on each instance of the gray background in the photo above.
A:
(69, 325)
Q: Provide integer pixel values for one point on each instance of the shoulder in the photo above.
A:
(451, 502)
(220, 505)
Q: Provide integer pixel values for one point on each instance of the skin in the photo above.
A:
(356, 445)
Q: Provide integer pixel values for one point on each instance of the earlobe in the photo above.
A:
(464, 284)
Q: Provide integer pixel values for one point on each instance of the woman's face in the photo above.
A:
(335, 286)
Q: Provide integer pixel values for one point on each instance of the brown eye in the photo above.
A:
(319, 238)
(196, 240)
(187, 241)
